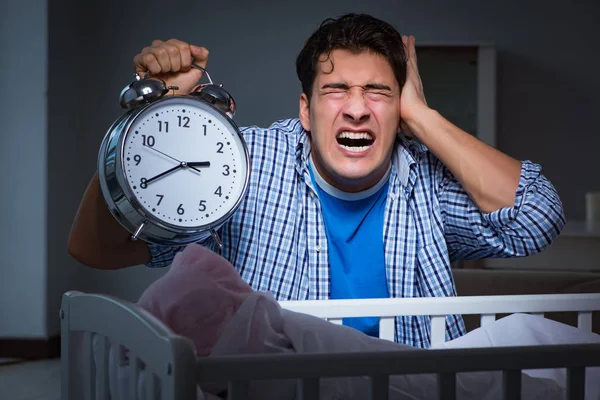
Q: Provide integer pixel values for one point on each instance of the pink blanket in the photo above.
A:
(197, 297)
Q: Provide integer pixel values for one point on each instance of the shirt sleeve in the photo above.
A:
(162, 255)
(525, 228)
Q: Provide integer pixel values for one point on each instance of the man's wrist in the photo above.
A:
(422, 117)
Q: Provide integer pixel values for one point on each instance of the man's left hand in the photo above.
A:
(412, 99)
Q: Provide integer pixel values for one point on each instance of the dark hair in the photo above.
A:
(355, 33)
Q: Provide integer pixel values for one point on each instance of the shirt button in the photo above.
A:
(318, 248)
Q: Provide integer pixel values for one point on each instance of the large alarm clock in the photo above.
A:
(173, 168)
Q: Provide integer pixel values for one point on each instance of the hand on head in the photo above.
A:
(413, 97)
(197, 297)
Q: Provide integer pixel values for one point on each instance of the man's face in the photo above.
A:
(353, 117)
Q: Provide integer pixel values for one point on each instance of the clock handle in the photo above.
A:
(210, 81)
(215, 235)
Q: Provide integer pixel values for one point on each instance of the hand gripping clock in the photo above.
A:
(173, 169)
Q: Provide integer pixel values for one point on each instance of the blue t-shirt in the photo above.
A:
(354, 227)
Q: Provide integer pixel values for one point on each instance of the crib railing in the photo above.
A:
(169, 360)
(488, 307)
(308, 369)
(446, 363)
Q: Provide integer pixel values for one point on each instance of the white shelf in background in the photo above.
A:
(576, 249)
(583, 229)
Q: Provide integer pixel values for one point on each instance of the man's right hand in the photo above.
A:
(172, 61)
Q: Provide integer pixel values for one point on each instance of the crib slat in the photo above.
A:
(133, 375)
(308, 388)
(386, 328)
(380, 387)
(576, 383)
(102, 368)
(447, 386)
(237, 390)
(487, 319)
(89, 371)
(151, 387)
(438, 329)
(512, 384)
(584, 321)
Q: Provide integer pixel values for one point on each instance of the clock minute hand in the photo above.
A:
(164, 154)
(182, 163)
(163, 174)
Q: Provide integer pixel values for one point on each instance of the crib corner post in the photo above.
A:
(71, 347)
(65, 364)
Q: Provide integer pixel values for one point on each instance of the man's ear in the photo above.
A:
(305, 112)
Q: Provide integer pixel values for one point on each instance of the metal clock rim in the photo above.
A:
(129, 194)
(123, 194)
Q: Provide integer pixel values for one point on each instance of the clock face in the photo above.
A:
(184, 162)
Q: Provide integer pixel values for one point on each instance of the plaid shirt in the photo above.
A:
(277, 238)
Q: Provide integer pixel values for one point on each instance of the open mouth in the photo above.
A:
(355, 141)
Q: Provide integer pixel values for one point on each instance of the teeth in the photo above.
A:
(355, 149)
(354, 135)
(355, 142)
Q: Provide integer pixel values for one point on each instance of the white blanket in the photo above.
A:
(530, 330)
(261, 326)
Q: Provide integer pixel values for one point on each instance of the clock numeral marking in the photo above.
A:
(137, 158)
(226, 172)
(220, 149)
(202, 206)
(148, 140)
(184, 122)
(160, 198)
(160, 126)
(218, 191)
(143, 183)
(204, 127)
(180, 210)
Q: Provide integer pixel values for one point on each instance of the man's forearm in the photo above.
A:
(96, 238)
(489, 176)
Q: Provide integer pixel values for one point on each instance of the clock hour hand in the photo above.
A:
(148, 181)
(199, 164)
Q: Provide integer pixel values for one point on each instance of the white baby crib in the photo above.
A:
(176, 374)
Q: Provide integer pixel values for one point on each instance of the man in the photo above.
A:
(341, 205)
